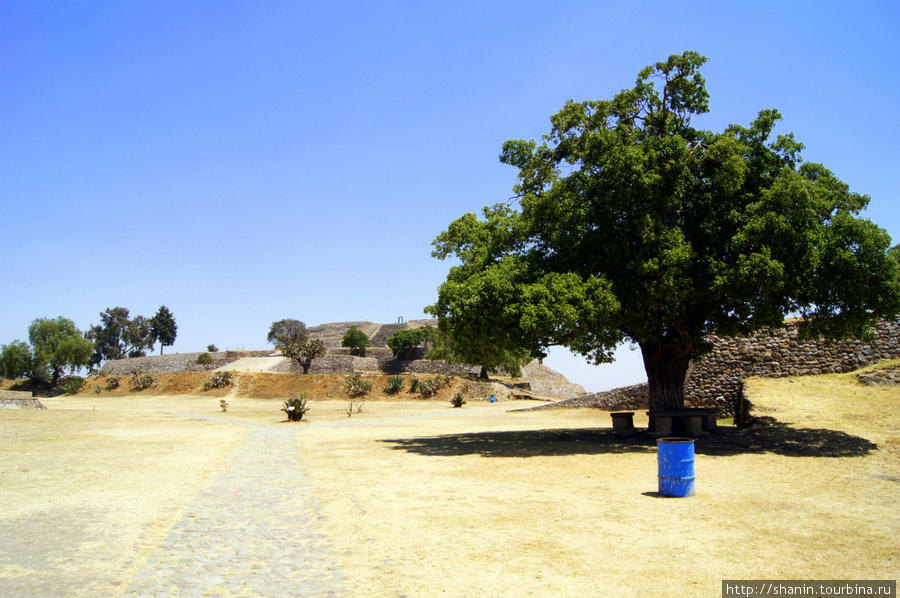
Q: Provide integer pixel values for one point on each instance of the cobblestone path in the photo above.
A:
(255, 531)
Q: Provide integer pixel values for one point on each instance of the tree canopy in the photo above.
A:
(291, 337)
(118, 336)
(634, 225)
(355, 339)
(56, 345)
(163, 328)
(287, 330)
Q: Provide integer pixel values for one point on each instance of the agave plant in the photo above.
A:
(295, 407)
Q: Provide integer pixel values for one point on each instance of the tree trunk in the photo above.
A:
(666, 364)
(305, 363)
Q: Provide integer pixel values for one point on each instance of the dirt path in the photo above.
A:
(254, 531)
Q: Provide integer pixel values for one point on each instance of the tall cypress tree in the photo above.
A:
(163, 327)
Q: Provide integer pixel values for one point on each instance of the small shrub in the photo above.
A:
(394, 385)
(219, 380)
(356, 404)
(223, 404)
(72, 384)
(112, 383)
(206, 360)
(97, 389)
(295, 407)
(458, 400)
(212, 348)
(143, 382)
(356, 386)
(428, 388)
(414, 385)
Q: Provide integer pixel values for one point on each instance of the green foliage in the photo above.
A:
(17, 361)
(112, 383)
(223, 405)
(287, 331)
(140, 381)
(58, 345)
(205, 359)
(219, 380)
(633, 225)
(72, 384)
(402, 342)
(291, 338)
(163, 328)
(357, 386)
(394, 385)
(429, 388)
(212, 348)
(507, 360)
(118, 336)
(414, 385)
(458, 400)
(894, 252)
(296, 407)
(355, 339)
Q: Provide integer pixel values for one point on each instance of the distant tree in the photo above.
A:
(505, 360)
(17, 361)
(356, 340)
(212, 348)
(402, 342)
(425, 335)
(56, 345)
(163, 328)
(287, 331)
(139, 336)
(292, 338)
(304, 353)
(118, 336)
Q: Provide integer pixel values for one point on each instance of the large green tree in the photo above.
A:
(17, 361)
(163, 328)
(291, 337)
(119, 336)
(59, 345)
(56, 346)
(634, 225)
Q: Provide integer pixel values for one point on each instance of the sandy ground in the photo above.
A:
(420, 499)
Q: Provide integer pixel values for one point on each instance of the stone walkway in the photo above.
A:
(255, 531)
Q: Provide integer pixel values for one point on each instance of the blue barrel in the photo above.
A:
(675, 457)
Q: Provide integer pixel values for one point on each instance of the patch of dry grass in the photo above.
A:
(421, 499)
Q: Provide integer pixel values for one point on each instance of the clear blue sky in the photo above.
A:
(244, 162)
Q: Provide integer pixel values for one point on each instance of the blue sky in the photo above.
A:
(244, 162)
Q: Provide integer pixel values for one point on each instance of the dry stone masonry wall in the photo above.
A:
(715, 379)
(176, 362)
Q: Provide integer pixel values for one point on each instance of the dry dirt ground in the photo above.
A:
(418, 499)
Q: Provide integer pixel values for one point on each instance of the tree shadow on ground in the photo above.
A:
(767, 436)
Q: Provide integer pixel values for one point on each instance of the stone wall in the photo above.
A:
(715, 379)
(18, 399)
(176, 362)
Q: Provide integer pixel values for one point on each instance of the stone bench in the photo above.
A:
(691, 422)
(623, 423)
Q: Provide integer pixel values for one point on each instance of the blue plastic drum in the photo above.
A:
(675, 457)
